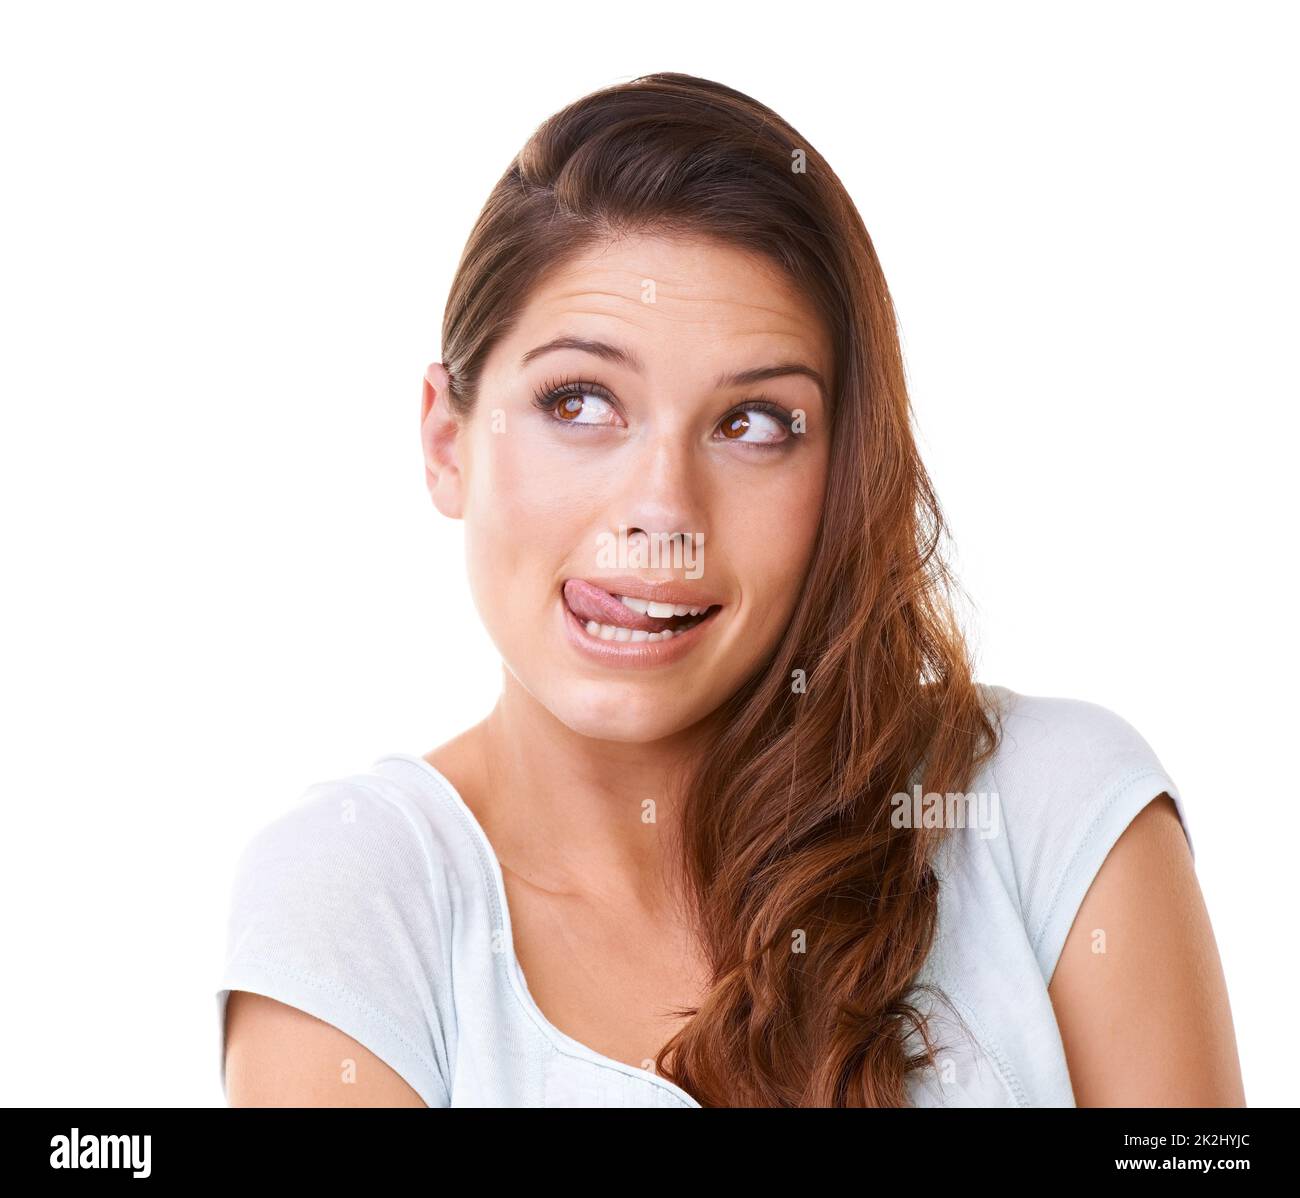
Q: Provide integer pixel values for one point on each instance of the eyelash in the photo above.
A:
(548, 398)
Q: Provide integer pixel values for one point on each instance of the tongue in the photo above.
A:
(589, 602)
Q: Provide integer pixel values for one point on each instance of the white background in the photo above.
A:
(228, 233)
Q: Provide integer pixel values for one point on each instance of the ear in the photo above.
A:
(440, 440)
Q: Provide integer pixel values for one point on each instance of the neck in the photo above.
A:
(576, 814)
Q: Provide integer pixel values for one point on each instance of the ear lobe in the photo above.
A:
(440, 442)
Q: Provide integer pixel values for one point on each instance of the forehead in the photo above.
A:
(669, 297)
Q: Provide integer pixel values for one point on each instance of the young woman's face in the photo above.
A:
(653, 438)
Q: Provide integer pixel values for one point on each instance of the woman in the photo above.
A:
(742, 829)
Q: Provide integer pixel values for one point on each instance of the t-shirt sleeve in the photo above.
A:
(1074, 776)
(332, 912)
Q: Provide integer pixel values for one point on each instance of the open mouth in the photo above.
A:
(608, 616)
(670, 629)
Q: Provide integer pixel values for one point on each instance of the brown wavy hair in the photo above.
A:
(816, 913)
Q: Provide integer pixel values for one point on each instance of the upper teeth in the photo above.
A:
(648, 607)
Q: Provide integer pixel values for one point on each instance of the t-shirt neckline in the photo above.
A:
(497, 891)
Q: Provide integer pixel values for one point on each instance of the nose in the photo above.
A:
(661, 498)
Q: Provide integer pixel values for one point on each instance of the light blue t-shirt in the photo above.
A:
(375, 902)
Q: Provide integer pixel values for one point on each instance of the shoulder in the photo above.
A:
(1059, 749)
(341, 907)
(365, 832)
(1070, 775)
(1083, 877)
(344, 816)
(359, 871)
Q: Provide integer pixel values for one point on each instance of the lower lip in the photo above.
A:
(635, 653)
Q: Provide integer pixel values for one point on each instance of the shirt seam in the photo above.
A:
(356, 1001)
(1114, 792)
(1010, 1078)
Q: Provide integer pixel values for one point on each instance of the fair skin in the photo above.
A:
(561, 771)
(1139, 990)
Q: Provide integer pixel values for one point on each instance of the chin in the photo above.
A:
(610, 711)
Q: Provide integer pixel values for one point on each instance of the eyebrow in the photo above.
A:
(625, 357)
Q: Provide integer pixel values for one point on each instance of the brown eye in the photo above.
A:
(735, 427)
(755, 425)
(577, 403)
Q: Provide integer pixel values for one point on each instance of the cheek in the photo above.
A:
(513, 477)
(770, 544)
(519, 516)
